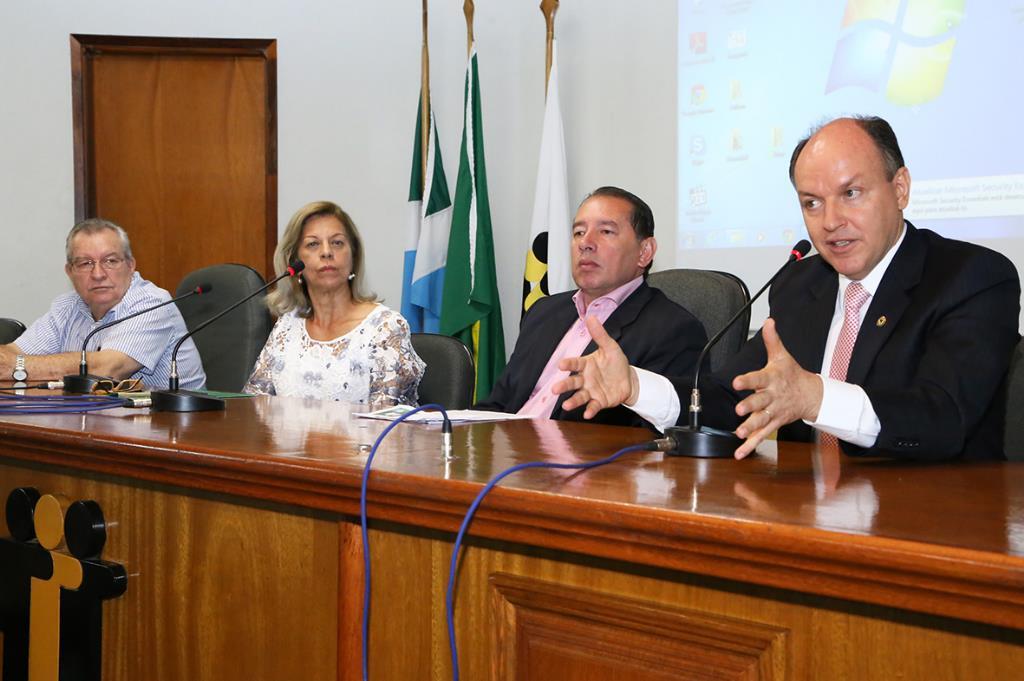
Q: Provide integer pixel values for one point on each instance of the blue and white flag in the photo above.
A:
(427, 246)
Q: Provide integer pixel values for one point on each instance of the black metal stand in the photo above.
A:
(184, 401)
(703, 442)
(82, 384)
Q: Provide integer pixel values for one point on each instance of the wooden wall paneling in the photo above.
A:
(729, 630)
(270, 173)
(175, 139)
(218, 589)
(404, 635)
(571, 633)
(350, 600)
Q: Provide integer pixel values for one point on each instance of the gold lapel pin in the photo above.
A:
(881, 321)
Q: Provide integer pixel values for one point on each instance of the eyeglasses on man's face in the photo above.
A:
(86, 265)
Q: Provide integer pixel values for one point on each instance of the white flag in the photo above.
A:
(548, 267)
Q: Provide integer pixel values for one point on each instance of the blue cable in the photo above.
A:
(42, 398)
(362, 521)
(56, 404)
(55, 398)
(450, 596)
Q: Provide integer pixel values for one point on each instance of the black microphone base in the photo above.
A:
(76, 384)
(184, 400)
(703, 442)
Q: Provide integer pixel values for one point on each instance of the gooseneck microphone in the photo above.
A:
(174, 399)
(710, 443)
(83, 382)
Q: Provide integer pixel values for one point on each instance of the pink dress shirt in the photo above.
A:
(574, 342)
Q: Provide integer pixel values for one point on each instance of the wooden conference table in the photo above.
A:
(239, 531)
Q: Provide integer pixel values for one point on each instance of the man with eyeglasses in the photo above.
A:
(107, 287)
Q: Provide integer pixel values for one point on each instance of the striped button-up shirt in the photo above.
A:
(148, 338)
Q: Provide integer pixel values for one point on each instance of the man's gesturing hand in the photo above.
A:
(601, 379)
(783, 392)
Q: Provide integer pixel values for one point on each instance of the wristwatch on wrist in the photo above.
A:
(19, 369)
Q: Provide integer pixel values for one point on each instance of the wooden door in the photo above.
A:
(175, 140)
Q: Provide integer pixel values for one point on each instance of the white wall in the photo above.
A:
(348, 79)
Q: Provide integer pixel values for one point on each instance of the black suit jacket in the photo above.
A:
(931, 354)
(653, 332)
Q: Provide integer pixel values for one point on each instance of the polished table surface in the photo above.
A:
(943, 539)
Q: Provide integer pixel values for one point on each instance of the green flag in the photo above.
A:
(470, 309)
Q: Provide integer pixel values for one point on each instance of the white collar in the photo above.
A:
(874, 278)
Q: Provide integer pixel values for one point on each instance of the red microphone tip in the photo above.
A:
(801, 249)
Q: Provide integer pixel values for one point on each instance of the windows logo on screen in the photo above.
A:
(901, 46)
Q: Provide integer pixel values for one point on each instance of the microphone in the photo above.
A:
(174, 399)
(702, 441)
(84, 382)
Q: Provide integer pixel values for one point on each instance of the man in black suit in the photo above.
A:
(613, 246)
(894, 340)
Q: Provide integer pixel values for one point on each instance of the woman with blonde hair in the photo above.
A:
(332, 340)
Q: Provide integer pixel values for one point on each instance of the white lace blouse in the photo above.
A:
(373, 363)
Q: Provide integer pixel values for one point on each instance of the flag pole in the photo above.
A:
(424, 103)
(548, 8)
(467, 9)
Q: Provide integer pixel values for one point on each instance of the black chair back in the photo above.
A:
(713, 298)
(449, 377)
(228, 347)
(10, 329)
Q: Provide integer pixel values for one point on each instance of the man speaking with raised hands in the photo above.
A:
(893, 341)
